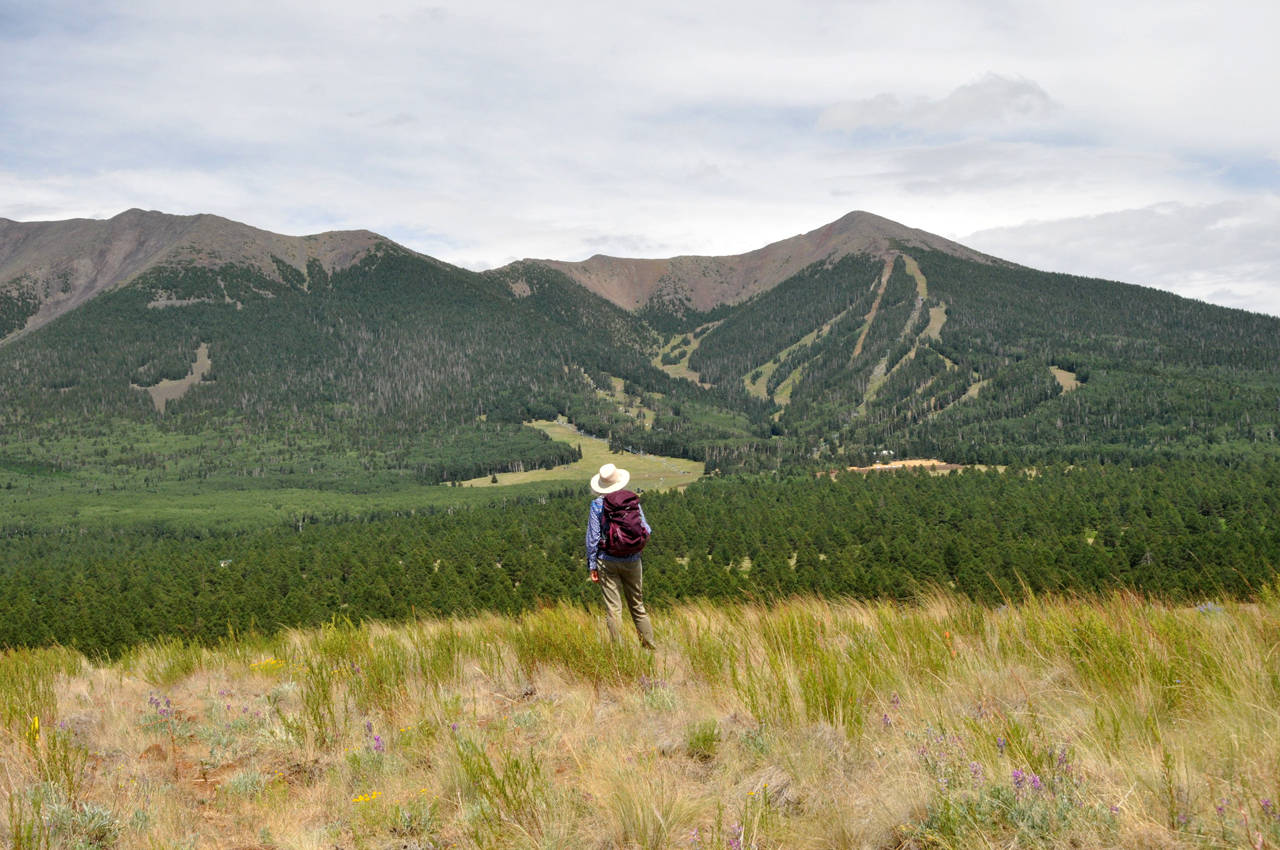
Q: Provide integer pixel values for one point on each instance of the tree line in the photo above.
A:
(1183, 530)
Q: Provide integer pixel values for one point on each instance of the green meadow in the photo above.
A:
(137, 475)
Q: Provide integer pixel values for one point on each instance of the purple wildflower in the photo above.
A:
(453, 726)
(1269, 808)
(378, 744)
(896, 701)
(1115, 810)
(1036, 783)
(976, 770)
(1019, 780)
(886, 721)
(1000, 744)
(368, 727)
(1221, 808)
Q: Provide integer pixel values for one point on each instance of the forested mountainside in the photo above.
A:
(928, 354)
(263, 371)
(415, 365)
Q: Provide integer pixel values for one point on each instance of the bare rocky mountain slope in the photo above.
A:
(701, 283)
(48, 268)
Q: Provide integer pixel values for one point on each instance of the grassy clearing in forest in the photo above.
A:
(648, 472)
(1107, 723)
(159, 479)
(681, 369)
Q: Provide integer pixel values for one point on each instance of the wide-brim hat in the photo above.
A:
(610, 479)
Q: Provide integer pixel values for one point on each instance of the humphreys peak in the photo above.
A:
(701, 283)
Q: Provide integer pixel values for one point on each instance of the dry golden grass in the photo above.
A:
(1104, 723)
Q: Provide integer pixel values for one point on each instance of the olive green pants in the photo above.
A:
(624, 578)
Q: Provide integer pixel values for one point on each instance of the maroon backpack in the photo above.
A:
(622, 533)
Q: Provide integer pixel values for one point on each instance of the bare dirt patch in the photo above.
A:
(161, 303)
(167, 391)
(932, 464)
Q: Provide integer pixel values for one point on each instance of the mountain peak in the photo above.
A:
(63, 264)
(704, 282)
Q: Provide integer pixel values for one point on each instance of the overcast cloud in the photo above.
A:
(1137, 141)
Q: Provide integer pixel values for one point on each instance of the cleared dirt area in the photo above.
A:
(178, 302)
(932, 464)
(167, 391)
(1065, 378)
(648, 472)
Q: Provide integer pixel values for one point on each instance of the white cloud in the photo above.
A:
(1226, 253)
(993, 103)
(489, 129)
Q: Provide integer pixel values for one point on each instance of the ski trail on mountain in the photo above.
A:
(878, 374)
(875, 305)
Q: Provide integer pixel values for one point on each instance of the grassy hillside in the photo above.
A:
(1112, 722)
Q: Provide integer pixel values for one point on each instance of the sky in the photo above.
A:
(1138, 141)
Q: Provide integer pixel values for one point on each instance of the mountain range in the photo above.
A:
(252, 354)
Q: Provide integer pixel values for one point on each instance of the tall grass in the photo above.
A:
(566, 638)
(28, 684)
(1107, 722)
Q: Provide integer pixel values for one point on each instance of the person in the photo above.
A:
(618, 576)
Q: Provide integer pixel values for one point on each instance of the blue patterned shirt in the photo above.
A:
(593, 535)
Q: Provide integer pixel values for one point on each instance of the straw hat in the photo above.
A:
(609, 479)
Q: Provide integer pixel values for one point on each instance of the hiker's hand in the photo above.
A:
(595, 576)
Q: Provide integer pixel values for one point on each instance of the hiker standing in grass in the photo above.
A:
(616, 534)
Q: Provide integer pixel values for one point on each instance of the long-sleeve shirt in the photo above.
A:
(593, 535)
